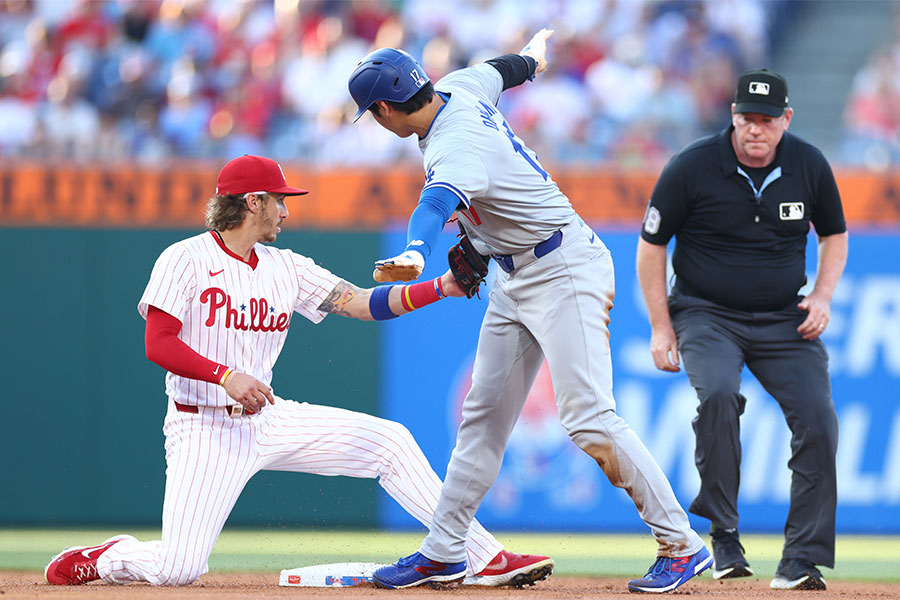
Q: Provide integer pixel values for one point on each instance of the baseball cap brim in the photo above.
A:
(759, 108)
(288, 191)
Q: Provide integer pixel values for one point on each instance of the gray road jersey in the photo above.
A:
(511, 203)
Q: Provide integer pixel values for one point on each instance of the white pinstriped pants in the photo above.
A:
(210, 458)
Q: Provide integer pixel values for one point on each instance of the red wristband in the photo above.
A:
(418, 295)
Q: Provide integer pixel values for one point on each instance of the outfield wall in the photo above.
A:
(84, 407)
(117, 195)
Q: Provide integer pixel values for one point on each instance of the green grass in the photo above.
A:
(872, 558)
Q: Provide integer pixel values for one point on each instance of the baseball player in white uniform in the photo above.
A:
(551, 300)
(218, 307)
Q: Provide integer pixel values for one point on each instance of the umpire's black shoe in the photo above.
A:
(728, 555)
(797, 574)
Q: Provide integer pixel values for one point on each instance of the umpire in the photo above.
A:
(740, 204)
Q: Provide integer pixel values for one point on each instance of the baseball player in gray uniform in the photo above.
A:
(551, 300)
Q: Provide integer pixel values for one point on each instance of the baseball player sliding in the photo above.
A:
(218, 307)
(551, 300)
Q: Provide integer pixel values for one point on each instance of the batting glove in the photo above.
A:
(536, 48)
(405, 267)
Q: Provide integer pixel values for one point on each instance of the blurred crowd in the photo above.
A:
(630, 81)
(872, 113)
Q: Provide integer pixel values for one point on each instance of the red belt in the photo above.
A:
(234, 410)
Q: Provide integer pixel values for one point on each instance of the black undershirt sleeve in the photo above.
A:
(514, 69)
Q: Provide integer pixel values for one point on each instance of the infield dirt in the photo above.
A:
(28, 585)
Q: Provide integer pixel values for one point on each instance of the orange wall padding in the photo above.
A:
(121, 196)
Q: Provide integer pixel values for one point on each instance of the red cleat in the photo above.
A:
(78, 564)
(512, 569)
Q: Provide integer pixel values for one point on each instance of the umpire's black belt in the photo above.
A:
(511, 262)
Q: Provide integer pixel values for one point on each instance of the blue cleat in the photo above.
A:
(667, 573)
(417, 569)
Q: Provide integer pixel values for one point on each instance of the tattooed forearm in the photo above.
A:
(339, 299)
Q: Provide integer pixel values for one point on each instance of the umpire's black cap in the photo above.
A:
(761, 91)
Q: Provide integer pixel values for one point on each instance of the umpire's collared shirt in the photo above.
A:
(740, 243)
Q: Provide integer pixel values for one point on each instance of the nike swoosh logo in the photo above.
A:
(503, 563)
(216, 372)
(211, 274)
(87, 552)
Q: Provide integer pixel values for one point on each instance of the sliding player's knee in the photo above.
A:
(175, 575)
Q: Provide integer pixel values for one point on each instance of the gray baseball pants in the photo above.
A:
(715, 343)
(557, 308)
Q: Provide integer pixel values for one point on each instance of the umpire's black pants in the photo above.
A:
(715, 343)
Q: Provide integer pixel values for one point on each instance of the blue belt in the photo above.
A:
(508, 262)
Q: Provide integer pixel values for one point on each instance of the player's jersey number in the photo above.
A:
(488, 113)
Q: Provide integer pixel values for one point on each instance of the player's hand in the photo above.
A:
(817, 318)
(450, 287)
(248, 391)
(405, 267)
(536, 48)
(664, 349)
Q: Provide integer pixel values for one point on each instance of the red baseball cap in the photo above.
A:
(248, 173)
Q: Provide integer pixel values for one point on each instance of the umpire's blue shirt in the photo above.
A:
(740, 233)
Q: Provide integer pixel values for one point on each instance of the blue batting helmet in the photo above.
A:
(385, 74)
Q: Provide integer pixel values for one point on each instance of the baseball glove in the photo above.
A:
(469, 268)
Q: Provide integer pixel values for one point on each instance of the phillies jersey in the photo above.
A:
(233, 312)
(508, 202)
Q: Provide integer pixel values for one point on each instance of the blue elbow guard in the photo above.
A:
(379, 305)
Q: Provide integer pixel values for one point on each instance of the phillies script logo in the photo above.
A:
(261, 316)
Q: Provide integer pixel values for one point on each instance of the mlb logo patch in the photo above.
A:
(790, 211)
(759, 87)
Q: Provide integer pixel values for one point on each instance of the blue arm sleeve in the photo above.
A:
(427, 220)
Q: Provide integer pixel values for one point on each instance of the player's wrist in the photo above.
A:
(421, 294)
(380, 305)
(532, 65)
(416, 251)
(225, 376)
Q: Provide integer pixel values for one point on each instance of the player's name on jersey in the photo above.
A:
(69, 195)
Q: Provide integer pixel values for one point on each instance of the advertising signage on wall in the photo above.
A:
(69, 195)
(546, 482)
